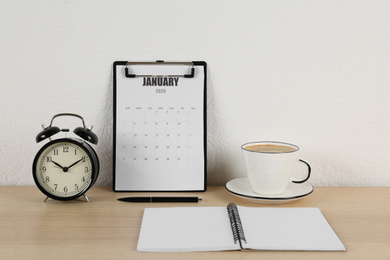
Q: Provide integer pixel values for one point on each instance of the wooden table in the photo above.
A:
(105, 228)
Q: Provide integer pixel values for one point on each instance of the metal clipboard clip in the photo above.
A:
(160, 62)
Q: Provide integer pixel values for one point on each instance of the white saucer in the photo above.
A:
(240, 187)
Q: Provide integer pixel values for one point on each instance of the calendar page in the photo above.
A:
(159, 141)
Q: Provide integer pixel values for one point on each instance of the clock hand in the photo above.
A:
(64, 169)
(75, 163)
(57, 164)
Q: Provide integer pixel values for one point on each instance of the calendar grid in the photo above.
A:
(160, 138)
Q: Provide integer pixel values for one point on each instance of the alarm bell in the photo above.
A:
(82, 132)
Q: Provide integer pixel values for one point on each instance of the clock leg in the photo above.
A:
(85, 197)
(46, 198)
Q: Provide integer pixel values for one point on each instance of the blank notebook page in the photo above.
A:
(186, 229)
(288, 229)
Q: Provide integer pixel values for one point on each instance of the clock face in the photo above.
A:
(64, 169)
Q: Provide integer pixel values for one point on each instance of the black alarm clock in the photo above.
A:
(66, 168)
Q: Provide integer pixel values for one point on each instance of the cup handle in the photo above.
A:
(308, 174)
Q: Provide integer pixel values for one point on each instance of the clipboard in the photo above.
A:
(159, 116)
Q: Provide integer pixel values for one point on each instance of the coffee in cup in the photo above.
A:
(269, 148)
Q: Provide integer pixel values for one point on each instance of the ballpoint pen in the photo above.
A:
(160, 199)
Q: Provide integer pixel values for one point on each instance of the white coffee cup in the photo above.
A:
(270, 166)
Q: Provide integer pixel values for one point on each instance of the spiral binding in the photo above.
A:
(235, 222)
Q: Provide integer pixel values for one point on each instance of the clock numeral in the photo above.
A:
(55, 151)
(65, 149)
(66, 189)
(44, 169)
(86, 170)
(48, 159)
(47, 179)
(83, 158)
(76, 187)
(83, 179)
(55, 185)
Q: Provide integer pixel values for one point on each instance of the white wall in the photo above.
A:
(314, 73)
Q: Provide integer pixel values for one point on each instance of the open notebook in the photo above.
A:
(235, 228)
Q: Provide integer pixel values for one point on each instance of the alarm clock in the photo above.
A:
(66, 168)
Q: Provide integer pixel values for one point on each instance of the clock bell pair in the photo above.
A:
(66, 168)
